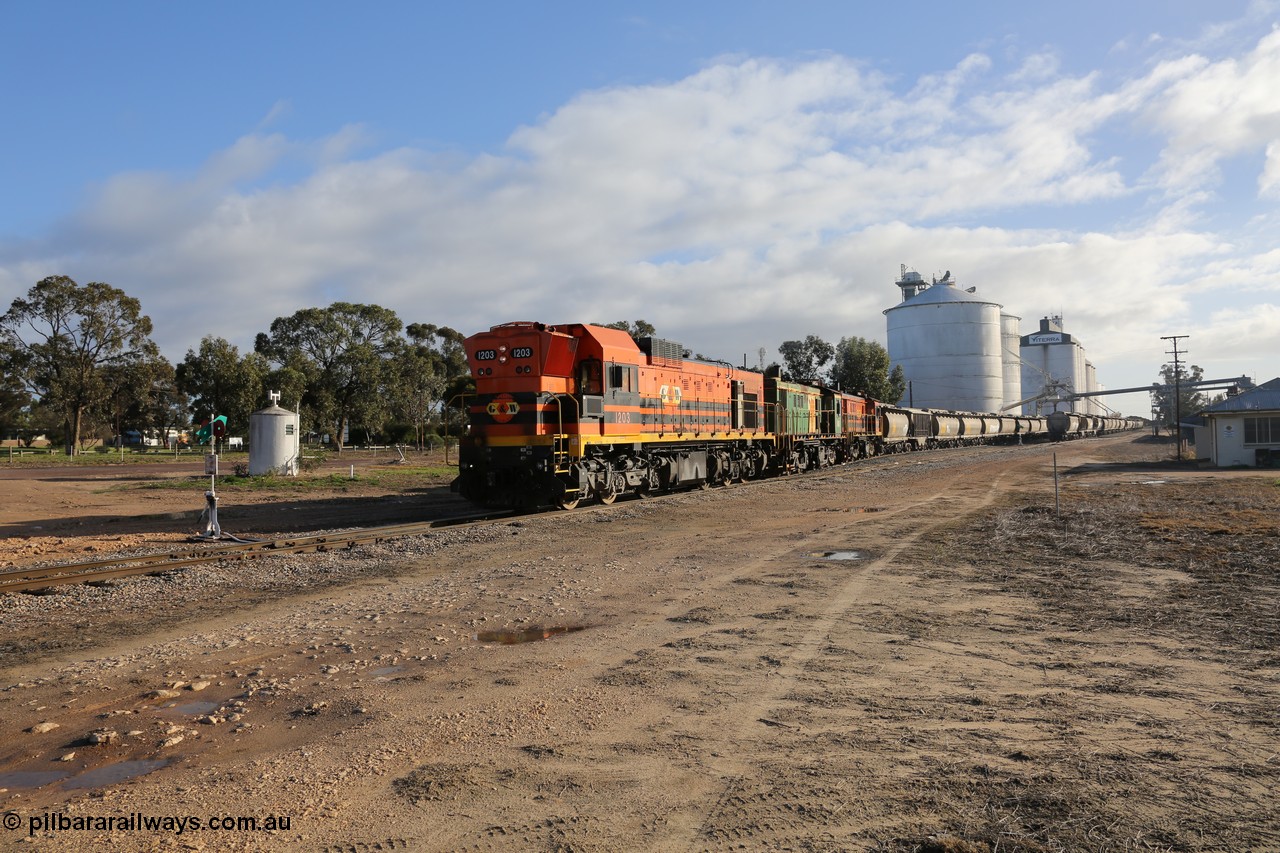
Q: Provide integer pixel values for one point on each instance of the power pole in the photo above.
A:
(1177, 392)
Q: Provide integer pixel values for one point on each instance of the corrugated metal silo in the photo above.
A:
(274, 440)
(947, 341)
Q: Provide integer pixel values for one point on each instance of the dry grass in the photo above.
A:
(1215, 545)
(1157, 614)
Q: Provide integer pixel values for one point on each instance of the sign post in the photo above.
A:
(210, 431)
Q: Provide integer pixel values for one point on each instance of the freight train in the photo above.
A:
(577, 412)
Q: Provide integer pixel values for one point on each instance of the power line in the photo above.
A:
(1177, 392)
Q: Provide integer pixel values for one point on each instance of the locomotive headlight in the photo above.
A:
(502, 348)
(502, 359)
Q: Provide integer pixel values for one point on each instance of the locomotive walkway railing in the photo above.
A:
(560, 441)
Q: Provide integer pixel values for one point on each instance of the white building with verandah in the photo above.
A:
(1243, 429)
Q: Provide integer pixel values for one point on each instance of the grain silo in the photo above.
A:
(1090, 405)
(1011, 359)
(948, 343)
(1053, 363)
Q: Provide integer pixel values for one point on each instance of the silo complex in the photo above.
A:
(962, 352)
(948, 343)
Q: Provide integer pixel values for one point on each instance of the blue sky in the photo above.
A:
(736, 173)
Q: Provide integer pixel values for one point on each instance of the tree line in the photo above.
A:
(1176, 394)
(857, 365)
(79, 362)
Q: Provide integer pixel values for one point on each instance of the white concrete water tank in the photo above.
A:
(1051, 357)
(275, 440)
(948, 342)
(1011, 360)
(1090, 405)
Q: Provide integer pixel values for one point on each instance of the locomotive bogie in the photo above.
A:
(607, 472)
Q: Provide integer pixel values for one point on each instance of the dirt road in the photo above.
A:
(913, 653)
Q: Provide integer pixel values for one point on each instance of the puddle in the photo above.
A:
(386, 670)
(528, 635)
(112, 773)
(31, 778)
(837, 555)
(1152, 483)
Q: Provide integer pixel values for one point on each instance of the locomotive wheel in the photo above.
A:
(614, 486)
(648, 485)
(568, 504)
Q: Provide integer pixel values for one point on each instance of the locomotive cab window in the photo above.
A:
(589, 377)
(622, 377)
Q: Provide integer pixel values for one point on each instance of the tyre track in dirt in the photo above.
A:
(777, 812)
(728, 688)
(691, 669)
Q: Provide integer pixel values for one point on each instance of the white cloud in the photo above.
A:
(279, 110)
(1212, 111)
(1243, 341)
(1269, 180)
(752, 202)
(1037, 67)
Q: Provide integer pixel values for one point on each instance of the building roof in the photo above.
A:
(941, 293)
(1264, 398)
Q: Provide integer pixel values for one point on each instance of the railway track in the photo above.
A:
(97, 571)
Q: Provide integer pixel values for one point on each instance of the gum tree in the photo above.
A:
(63, 341)
(805, 359)
(862, 366)
(221, 382)
(345, 352)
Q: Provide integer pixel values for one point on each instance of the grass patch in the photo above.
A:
(1220, 536)
(401, 477)
(44, 458)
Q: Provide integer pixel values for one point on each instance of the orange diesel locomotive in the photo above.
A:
(572, 412)
(568, 412)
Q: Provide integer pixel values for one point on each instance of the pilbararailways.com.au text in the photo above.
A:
(55, 822)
